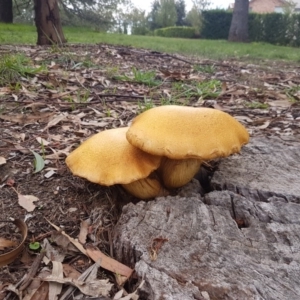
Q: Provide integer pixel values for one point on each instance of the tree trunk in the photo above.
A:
(48, 23)
(239, 24)
(6, 11)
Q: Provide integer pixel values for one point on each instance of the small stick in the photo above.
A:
(32, 271)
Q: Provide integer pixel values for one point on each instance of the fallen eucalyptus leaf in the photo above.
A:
(39, 162)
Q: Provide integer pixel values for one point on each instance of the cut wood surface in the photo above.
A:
(224, 245)
(266, 167)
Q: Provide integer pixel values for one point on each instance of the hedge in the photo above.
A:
(177, 32)
(274, 28)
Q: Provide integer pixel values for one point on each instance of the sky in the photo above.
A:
(145, 5)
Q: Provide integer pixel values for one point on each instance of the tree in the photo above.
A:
(201, 4)
(48, 23)
(153, 15)
(167, 14)
(289, 7)
(181, 14)
(239, 24)
(23, 11)
(138, 22)
(6, 11)
(194, 19)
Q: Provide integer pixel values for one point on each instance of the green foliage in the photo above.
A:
(216, 24)
(208, 89)
(15, 66)
(177, 32)
(257, 105)
(214, 49)
(138, 22)
(17, 33)
(293, 93)
(23, 11)
(34, 245)
(145, 105)
(153, 15)
(273, 28)
(167, 15)
(101, 14)
(147, 78)
(181, 14)
(209, 69)
(280, 29)
(194, 18)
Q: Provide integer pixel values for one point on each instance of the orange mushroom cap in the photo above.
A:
(107, 158)
(180, 132)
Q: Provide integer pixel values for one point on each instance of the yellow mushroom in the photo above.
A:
(107, 158)
(186, 136)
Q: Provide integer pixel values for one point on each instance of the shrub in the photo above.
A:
(176, 32)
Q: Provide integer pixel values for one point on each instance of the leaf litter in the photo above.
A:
(84, 89)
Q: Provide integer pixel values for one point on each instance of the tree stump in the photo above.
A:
(241, 241)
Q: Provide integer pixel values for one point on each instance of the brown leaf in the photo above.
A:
(41, 293)
(109, 263)
(55, 120)
(94, 288)
(4, 243)
(83, 231)
(26, 119)
(2, 160)
(26, 201)
(70, 272)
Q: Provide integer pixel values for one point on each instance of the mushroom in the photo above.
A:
(107, 158)
(185, 137)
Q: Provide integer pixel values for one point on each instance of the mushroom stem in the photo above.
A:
(178, 172)
(146, 188)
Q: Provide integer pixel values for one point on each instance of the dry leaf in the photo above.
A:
(70, 272)
(93, 288)
(109, 263)
(4, 243)
(83, 231)
(26, 119)
(26, 201)
(73, 241)
(95, 123)
(42, 293)
(55, 120)
(280, 103)
(42, 141)
(55, 288)
(2, 160)
(265, 125)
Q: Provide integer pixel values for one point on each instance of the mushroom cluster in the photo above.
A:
(162, 149)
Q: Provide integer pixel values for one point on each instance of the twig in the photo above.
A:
(32, 271)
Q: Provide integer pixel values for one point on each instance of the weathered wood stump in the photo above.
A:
(266, 168)
(239, 243)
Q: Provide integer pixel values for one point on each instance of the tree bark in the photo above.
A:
(239, 24)
(6, 11)
(48, 23)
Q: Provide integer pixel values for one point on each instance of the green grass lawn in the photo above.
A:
(214, 49)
